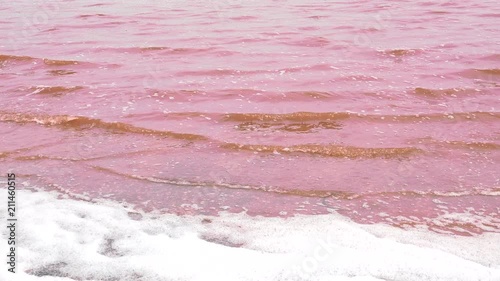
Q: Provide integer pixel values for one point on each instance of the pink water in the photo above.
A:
(382, 111)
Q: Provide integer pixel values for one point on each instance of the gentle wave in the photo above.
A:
(5, 58)
(493, 71)
(334, 194)
(250, 122)
(54, 90)
(296, 116)
(52, 62)
(327, 116)
(453, 92)
(219, 72)
(158, 49)
(329, 150)
(79, 122)
(291, 127)
(46, 61)
(402, 52)
(487, 74)
(467, 144)
(61, 72)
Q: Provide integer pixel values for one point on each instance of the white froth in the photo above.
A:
(64, 239)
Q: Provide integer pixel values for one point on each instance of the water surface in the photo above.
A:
(383, 111)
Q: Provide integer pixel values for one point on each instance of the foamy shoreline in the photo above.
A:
(66, 239)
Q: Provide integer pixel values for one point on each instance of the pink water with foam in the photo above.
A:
(382, 111)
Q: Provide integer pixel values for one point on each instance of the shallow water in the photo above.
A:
(385, 112)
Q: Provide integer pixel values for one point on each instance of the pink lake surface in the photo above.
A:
(382, 111)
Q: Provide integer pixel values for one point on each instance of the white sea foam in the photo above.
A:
(65, 239)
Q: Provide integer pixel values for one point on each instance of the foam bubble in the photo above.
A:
(65, 239)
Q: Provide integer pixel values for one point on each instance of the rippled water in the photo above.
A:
(382, 111)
